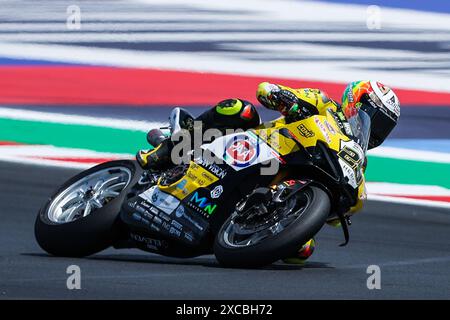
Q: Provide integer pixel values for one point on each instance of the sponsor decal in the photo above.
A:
(189, 236)
(166, 225)
(175, 232)
(140, 209)
(155, 228)
(177, 225)
(322, 128)
(350, 95)
(393, 106)
(164, 217)
(163, 201)
(139, 218)
(273, 140)
(212, 167)
(339, 121)
(217, 171)
(145, 204)
(216, 192)
(305, 132)
(157, 220)
(207, 177)
(349, 173)
(384, 90)
(290, 183)
(154, 244)
(347, 128)
(350, 156)
(132, 204)
(179, 212)
(330, 127)
(182, 186)
(191, 176)
(350, 159)
(242, 151)
(202, 203)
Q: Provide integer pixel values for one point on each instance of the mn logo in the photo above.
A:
(203, 203)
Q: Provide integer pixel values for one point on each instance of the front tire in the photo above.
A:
(63, 231)
(280, 245)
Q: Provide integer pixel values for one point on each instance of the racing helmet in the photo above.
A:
(378, 101)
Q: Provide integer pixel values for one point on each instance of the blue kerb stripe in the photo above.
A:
(437, 145)
(440, 6)
(31, 62)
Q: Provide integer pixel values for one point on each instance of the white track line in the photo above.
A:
(30, 115)
(52, 151)
(409, 154)
(428, 203)
(131, 37)
(46, 163)
(398, 189)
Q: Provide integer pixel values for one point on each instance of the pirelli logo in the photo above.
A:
(350, 157)
(305, 132)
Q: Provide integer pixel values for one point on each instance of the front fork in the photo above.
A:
(294, 186)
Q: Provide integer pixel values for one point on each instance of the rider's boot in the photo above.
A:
(303, 253)
(157, 158)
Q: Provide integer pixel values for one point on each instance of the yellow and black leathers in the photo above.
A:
(299, 103)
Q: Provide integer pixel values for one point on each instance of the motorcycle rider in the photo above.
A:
(377, 100)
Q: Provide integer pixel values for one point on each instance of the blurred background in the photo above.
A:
(82, 81)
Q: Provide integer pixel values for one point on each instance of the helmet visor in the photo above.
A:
(381, 125)
(360, 124)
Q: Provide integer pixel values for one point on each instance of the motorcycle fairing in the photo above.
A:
(195, 177)
(241, 154)
(167, 217)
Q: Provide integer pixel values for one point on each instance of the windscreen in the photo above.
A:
(360, 125)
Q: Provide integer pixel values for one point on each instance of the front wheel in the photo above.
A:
(80, 219)
(262, 237)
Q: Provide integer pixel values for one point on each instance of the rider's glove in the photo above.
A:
(300, 111)
(285, 100)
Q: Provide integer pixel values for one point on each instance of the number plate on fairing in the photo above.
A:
(351, 157)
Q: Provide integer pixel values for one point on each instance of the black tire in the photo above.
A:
(280, 246)
(88, 235)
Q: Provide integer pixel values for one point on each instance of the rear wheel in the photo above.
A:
(261, 237)
(81, 217)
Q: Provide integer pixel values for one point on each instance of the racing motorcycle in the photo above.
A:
(220, 202)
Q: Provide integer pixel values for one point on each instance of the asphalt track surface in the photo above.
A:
(410, 244)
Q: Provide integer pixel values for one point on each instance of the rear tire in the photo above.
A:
(92, 233)
(282, 245)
